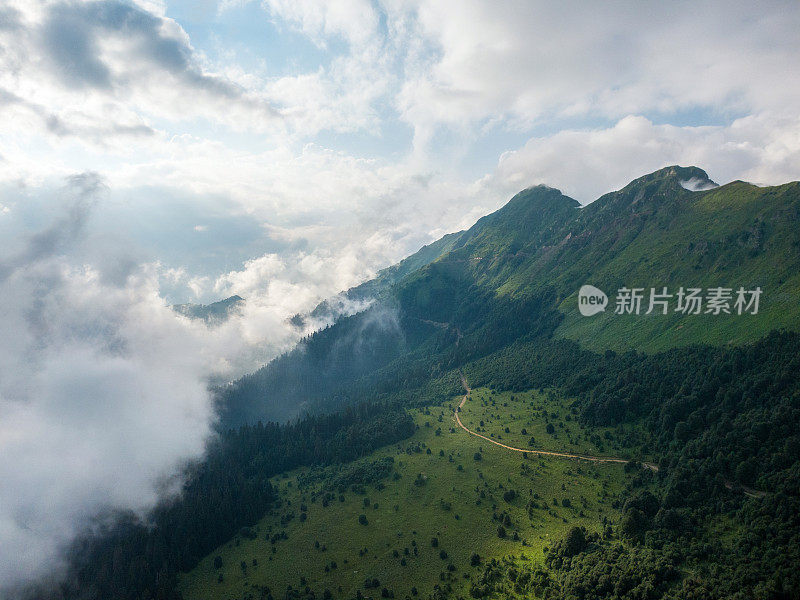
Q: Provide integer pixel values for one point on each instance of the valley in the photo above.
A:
(443, 484)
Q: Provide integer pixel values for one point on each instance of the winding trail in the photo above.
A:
(606, 459)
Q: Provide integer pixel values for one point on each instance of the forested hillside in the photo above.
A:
(516, 274)
(213, 313)
(376, 492)
(721, 517)
(717, 518)
(229, 491)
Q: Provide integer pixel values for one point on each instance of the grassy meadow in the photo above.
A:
(475, 498)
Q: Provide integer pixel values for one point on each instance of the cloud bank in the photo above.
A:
(103, 387)
(102, 394)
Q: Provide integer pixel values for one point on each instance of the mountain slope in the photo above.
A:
(516, 273)
(651, 234)
(430, 511)
(215, 312)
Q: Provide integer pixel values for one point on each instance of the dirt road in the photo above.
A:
(606, 459)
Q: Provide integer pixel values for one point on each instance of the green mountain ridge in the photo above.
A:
(615, 457)
(516, 274)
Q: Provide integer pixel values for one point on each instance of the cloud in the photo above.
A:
(355, 21)
(63, 232)
(71, 48)
(695, 184)
(461, 76)
(110, 67)
(103, 388)
(102, 394)
(524, 63)
(587, 163)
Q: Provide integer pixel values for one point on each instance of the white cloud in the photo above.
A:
(102, 394)
(356, 21)
(526, 62)
(103, 388)
(106, 69)
(696, 184)
(584, 164)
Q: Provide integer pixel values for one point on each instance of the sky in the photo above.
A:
(155, 152)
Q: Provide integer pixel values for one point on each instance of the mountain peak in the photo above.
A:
(540, 196)
(536, 204)
(690, 178)
(216, 312)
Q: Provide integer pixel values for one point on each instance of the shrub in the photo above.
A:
(574, 542)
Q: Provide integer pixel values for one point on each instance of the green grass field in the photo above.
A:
(444, 484)
(719, 240)
(521, 420)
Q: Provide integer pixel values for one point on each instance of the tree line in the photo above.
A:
(125, 558)
(725, 426)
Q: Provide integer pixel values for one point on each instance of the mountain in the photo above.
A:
(375, 288)
(333, 308)
(471, 434)
(516, 273)
(216, 312)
